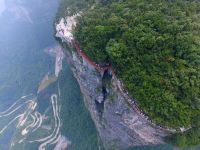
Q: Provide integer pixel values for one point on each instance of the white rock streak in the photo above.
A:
(65, 26)
(58, 63)
(56, 52)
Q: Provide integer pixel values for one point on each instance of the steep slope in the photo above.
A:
(154, 49)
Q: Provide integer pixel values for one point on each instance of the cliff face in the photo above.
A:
(119, 122)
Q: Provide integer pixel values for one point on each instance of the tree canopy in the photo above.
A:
(154, 46)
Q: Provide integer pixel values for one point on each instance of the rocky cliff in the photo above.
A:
(118, 121)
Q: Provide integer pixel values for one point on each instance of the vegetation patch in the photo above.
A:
(154, 46)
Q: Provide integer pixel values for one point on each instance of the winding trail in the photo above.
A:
(27, 113)
(15, 109)
(54, 137)
(30, 120)
(5, 127)
(38, 121)
(16, 102)
(16, 106)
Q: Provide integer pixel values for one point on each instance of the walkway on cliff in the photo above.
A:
(99, 67)
(120, 87)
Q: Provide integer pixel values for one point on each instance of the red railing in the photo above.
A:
(99, 67)
(102, 68)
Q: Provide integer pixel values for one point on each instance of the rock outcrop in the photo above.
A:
(119, 124)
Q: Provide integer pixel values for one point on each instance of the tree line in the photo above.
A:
(154, 46)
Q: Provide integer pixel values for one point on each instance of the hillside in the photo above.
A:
(154, 47)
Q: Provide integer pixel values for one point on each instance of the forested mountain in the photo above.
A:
(154, 46)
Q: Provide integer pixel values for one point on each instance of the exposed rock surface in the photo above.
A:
(118, 123)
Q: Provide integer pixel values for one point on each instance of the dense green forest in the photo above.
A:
(71, 7)
(154, 47)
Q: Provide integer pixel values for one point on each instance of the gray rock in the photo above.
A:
(119, 125)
